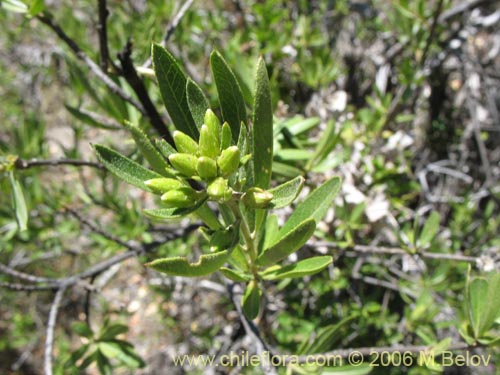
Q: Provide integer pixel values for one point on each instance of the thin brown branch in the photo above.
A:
(102, 31)
(97, 229)
(432, 33)
(94, 68)
(133, 79)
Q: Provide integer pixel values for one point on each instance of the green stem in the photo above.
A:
(248, 236)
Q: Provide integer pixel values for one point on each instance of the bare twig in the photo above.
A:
(24, 276)
(26, 164)
(399, 251)
(94, 68)
(133, 79)
(94, 228)
(51, 324)
(463, 7)
(172, 25)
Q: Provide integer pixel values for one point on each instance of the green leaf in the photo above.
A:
(329, 138)
(492, 312)
(206, 215)
(314, 206)
(103, 364)
(173, 213)
(121, 351)
(262, 137)
(271, 231)
(285, 194)
(82, 329)
(286, 170)
(235, 275)
(197, 102)
(230, 96)
(15, 6)
(76, 355)
(19, 203)
(148, 150)
(36, 7)
(302, 268)
(89, 120)
(478, 290)
(124, 168)
(172, 82)
(326, 338)
(251, 300)
(112, 331)
(180, 266)
(288, 244)
(429, 231)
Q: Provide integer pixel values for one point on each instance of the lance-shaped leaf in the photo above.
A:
(262, 139)
(429, 231)
(180, 266)
(302, 268)
(19, 203)
(197, 102)
(285, 194)
(173, 213)
(124, 168)
(231, 99)
(484, 303)
(288, 244)
(314, 206)
(235, 275)
(251, 300)
(148, 150)
(172, 82)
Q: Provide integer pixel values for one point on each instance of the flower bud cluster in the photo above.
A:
(213, 160)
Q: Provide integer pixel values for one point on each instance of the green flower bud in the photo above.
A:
(229, 160)
(219, 190)
(257, 198)
(212, 122)
(184, 143)
(184, 163)
(162, 185)
(180, 198)
(226, 136)
(206, 167)
(209, 142)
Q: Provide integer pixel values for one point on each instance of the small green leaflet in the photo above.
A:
(251, 300)
(288, 244)
(197, 102)
(262, 140)
(172, 213)
(314, 206)
(231, 98)
(124, 168)
(172, 82)
(302, 268)
(180, 266)
(19, 203)
(285, 194)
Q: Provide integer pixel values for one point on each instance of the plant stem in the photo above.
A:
(247, 235)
